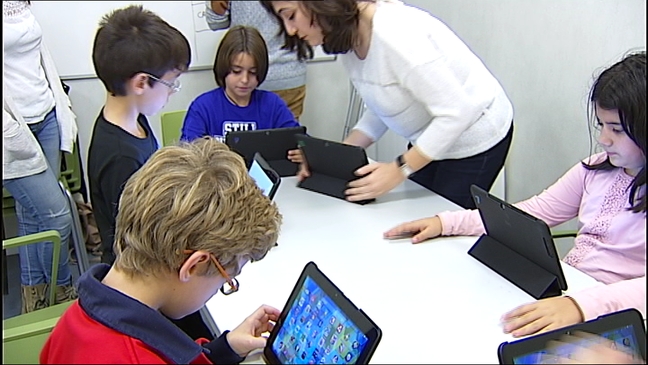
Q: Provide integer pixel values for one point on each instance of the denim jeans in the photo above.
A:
(41, 205)
(452, 178)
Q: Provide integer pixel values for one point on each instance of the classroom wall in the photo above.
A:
(544, 52)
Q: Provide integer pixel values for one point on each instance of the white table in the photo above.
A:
(433, 302)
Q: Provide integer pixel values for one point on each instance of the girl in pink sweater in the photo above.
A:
(606, 192)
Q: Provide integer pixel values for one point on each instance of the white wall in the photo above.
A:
(544, 52)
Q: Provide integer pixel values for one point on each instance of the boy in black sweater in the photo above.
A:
(138, 57)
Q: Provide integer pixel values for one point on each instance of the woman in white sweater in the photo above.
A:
(418, 79)
(37, 124)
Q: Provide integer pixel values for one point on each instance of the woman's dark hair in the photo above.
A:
(338, 19)
(241, 39)
(623, 87)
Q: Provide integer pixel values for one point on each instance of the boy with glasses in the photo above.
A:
(138, 57)
(176, 247)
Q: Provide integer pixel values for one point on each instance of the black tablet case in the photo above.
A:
(517, 246)
(272, 174)
(331, 165)
(272, 144)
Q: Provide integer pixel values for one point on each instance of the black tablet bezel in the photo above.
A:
(278, 140)
(537, 245)
(357, 316)
(270, 172)
(508, 351)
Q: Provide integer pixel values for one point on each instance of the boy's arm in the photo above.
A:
(220, 351)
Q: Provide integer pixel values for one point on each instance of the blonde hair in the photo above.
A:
(194, 196)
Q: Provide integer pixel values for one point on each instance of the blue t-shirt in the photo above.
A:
(211, 114)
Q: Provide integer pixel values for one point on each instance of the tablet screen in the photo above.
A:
(260, 177)
(317, 331)
(623, 339)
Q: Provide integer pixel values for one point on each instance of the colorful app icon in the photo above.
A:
(348, 357)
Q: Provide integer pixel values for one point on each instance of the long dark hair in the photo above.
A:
(338, 19)
(291, 43)
(623, 87)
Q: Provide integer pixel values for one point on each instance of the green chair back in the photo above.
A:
(171, 126)
(29, 239)
(24, 336)
(71, 173)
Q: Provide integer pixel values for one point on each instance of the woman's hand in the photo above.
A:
(295, 156)
(421, 229)
(219, 7)
(247, 336)
(378, 179)
(541, 316)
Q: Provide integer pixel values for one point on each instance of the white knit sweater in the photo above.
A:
(22, 155)
(422, 82)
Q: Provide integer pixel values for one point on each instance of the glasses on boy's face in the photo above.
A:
(231, 285)
(174, 86)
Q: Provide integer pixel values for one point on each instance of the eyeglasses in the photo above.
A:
(231, 285)
(174, 86)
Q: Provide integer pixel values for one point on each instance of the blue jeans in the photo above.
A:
(452, 178)
(41, 205)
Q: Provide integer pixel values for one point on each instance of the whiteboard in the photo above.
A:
(69, 28)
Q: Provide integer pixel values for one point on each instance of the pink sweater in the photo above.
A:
(611, 241)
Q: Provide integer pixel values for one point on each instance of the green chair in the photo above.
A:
(171, 126)
(71, 171)
(24, 335)
(564, 234)
(29, 239)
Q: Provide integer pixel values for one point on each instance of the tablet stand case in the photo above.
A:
(272, 144)
(332, 165)
(515, 267)
(524, 273)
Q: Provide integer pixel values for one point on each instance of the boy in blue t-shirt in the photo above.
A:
(241, 65)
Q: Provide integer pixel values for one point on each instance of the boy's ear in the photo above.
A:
(193, 265)
(139, 83)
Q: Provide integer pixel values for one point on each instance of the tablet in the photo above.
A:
(265, 177)
(272, 144)
(332, 165)
(524, 234)
(625, 329)
(320, 325)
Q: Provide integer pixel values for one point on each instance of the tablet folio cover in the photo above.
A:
(518, 246)
(331, 165)
(272, 144)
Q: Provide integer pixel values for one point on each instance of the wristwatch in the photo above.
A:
(404, 167)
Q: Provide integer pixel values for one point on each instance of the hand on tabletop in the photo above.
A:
(247, 336)
(378, 179)
(541, 316)
(421, 229)
(295, 156)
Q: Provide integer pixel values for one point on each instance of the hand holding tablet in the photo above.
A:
(319, 324)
